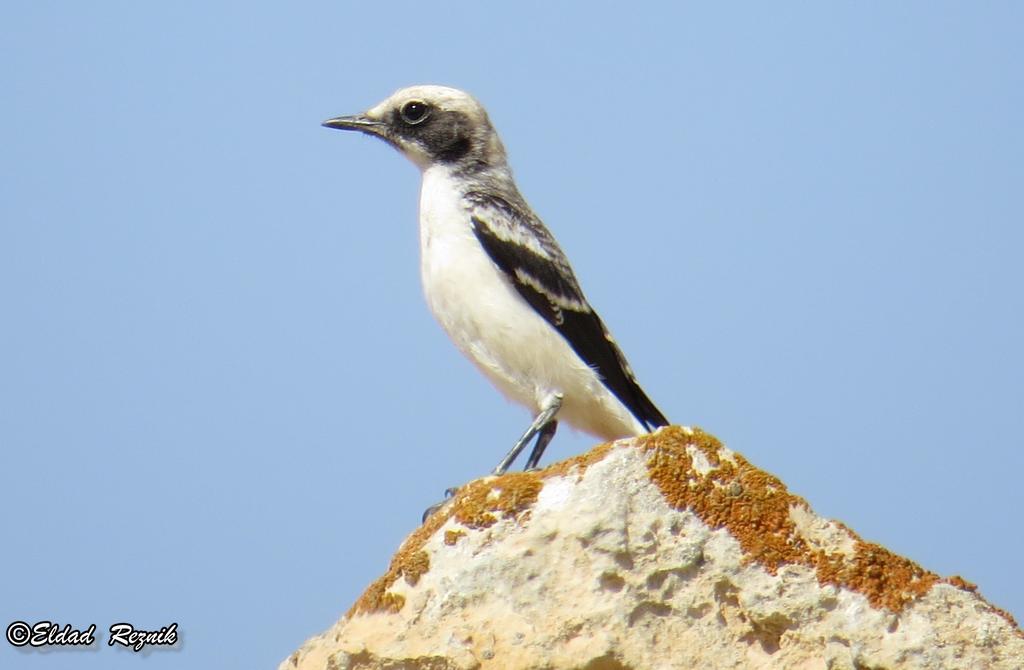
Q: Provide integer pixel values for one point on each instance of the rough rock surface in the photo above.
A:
(667, 551)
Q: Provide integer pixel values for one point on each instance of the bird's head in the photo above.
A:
(431, 125)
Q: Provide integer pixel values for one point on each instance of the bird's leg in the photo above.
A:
(543, 438)
(543, 426)
(549, 409)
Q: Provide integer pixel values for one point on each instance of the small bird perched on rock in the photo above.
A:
(497, 281)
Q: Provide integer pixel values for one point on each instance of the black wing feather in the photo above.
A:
(553, 292)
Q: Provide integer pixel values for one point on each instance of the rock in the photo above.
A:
(666, 551)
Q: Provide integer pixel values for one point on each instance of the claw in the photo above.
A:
(449, 493)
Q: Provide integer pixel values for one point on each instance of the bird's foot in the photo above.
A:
(449, 493)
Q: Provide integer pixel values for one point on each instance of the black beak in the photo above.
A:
(359, 122)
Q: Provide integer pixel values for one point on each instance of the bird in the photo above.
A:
(497, 281)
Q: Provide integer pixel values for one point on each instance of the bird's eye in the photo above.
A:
(415, 111)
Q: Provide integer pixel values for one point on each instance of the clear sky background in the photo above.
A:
(223, 402)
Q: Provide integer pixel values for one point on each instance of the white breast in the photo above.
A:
(495, 328)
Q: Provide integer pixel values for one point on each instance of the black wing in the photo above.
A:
(542, 276)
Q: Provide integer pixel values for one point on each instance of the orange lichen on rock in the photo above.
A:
(693, 472)
(577, 464)
(414, 566)
(406, 562)
(477, 505)
(752, 504)
(961, 583)
(754, 507)
(452, 536)
(480, 503)
(886, 579)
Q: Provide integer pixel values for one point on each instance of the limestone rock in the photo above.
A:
(667, 551)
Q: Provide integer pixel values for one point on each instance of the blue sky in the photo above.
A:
(225, 402)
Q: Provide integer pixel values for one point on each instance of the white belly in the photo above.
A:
(495, 328)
